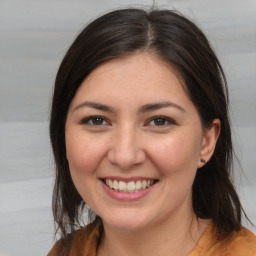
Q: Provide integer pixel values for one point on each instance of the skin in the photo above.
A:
(129, 141)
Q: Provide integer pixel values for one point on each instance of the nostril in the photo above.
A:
(125, 159)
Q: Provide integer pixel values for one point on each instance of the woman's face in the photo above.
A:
(134, 142)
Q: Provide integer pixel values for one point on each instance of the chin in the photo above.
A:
(126, 222)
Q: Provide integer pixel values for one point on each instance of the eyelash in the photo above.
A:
(167, 120)
(90, 119)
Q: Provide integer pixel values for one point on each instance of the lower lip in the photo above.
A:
(126, 196)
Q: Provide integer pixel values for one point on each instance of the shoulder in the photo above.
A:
(241, 243)
(81, 242)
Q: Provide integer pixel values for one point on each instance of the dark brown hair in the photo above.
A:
(178, 41)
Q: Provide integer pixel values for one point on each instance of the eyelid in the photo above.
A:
(86, 120)
(167, 119)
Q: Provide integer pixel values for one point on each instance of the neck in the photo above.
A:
(176, 236)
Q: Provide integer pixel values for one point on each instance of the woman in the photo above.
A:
(140, 133)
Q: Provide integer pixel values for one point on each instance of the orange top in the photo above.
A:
(84, 242)
(240, 243)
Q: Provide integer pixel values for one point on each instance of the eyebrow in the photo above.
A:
(142, 109)
(95, 105)
(156, 106)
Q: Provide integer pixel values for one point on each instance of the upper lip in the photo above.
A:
(127, 179)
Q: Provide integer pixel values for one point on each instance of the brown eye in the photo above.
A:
(94, 120)
(97, 121)
(160, 121)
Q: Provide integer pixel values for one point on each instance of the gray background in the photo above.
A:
(34, 36)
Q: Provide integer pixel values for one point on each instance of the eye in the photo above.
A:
(160, 121)
(95, 121)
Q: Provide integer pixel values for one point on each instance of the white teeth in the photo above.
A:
(144, 184)
(131, 186)
(138, 185)
(122, 186)
(110, 183)
(115, 185)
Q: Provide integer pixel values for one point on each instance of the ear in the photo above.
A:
(209, 141)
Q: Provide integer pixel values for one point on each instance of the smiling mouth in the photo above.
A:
(130, 186)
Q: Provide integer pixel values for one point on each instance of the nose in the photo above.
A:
(126, 151)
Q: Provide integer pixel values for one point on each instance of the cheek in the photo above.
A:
(176, 154)
(83, 154)
(176, 160)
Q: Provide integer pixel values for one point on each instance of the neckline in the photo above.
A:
(204, 239)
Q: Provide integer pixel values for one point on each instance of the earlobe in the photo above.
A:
(209, 141)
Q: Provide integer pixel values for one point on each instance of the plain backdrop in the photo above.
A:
(34, 36)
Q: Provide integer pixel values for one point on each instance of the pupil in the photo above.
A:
(160, 121)
(97, 120)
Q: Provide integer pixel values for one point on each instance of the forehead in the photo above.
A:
(142, 62)
(139, 78)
